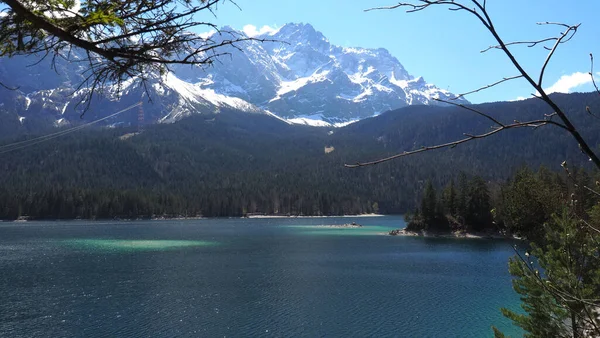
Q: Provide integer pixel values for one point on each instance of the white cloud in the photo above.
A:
(208, 34)
(252, 30)
(519, 98)
(566, 83)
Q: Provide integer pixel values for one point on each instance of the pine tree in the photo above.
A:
(461, 199)
(429, 204)
(478, 216)
(449, 199)
(559, 282)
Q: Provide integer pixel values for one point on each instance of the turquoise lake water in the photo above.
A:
(248, 277)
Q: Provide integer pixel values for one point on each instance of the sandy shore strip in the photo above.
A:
(455, 234)
(283, 216)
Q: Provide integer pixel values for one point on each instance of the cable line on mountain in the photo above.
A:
(37, 140)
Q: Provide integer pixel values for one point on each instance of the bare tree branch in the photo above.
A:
(565, 35)
(488, 86)
(476, 111)
(566, 168)
(481, 13)
(592, 73)
(590, 226)
(534, 43)
(470, 137)
(9, 87)
(529, 44)
(122, 39)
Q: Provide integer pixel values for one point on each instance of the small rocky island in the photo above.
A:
(463, 213)
(345, 225)
(450, 234)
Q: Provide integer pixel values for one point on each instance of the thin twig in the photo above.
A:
(528, 43)
(488, 86)
(160, 28)
(564, 165)
(480, 12)
(564, 35)
(589, 111)
(529, 124)
(592, 73)
(590, 226)
(476, 111)
(9, 87)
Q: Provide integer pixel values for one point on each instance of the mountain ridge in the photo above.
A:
(233, 162)
(306, 80)
(344, 83)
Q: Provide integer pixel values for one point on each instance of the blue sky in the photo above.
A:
(442, 46)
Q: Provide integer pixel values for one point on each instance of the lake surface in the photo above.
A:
(248, 277)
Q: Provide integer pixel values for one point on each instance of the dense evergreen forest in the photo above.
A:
(233, 163)
(521, 205)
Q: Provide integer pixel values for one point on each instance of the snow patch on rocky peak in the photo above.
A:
(308, 74)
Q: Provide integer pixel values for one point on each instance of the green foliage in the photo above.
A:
(233, 163)
(528, 200)
(498, 333)
(467, 210)
(461, 202)
(478, 215)
(120, 39)
(101, 17)
(520, 206)
(559, 282)
(228, 164)
(429, 204)
(449, 199)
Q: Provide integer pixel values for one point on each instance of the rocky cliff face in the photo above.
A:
(303, 78)
(309, 77)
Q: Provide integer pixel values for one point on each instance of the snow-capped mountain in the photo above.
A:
(298, 75)
(306, 77)
(43, 92)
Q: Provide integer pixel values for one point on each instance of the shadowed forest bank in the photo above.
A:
(234, 163)
(521, 206)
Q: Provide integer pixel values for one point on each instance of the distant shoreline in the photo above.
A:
(175, 218)
(454, 235)
(294, 216)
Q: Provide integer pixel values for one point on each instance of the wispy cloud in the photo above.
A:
(252, 30)
(567, 83)
(208, 34)
(520, 98)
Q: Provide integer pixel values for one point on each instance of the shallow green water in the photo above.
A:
(375, 230)
(130, 245)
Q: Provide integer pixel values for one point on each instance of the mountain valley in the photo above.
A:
(234, 163)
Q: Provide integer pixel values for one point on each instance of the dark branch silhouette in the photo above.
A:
(469, 137)
(480, 12)
(567, 296)
(592, 73)
(488, 86)
(121, 39)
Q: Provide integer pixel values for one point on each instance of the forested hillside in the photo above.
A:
(233, 163)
